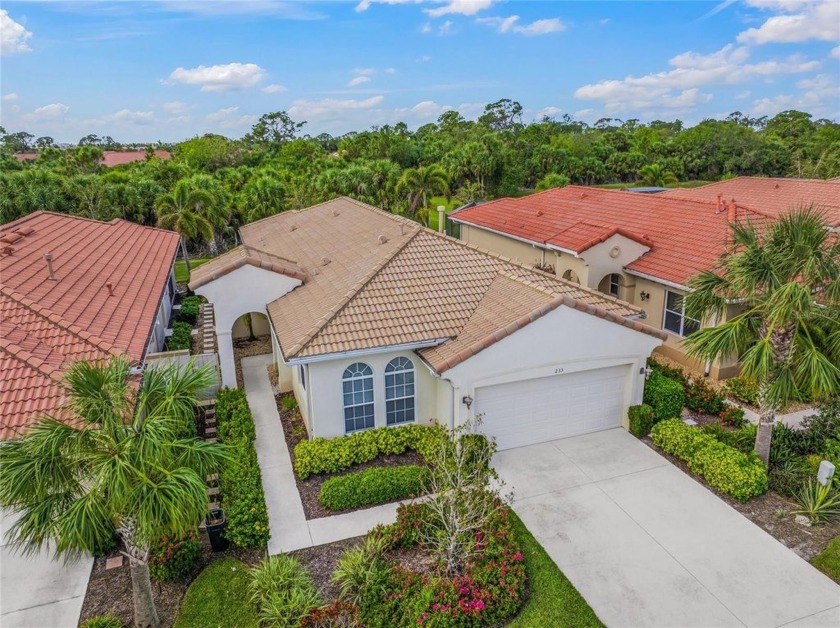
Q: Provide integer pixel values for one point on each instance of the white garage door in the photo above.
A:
(536, 410)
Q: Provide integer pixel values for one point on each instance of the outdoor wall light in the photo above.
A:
(644, 296)
(467, 401)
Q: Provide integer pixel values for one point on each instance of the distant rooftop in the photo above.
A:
(110, 157)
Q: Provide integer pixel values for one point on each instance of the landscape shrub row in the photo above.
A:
(725, 468)
(322, 455)
(240, 481)
(190, 307)
(642, 418)
(665, 395)
(700, 397)
(181, 337)
(378, 485)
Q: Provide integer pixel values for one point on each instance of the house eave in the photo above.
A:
(324, 357)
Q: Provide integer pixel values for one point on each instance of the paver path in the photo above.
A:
(646, 545)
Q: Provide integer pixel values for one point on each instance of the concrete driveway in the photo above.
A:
(646, 545)
(38, 592)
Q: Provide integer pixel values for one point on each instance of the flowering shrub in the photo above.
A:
(489, 591)
(734, 416)
(742, 389)
(339, 614)
(700, 397)
(174, 557)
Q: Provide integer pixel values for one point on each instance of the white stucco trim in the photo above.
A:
(409, 346)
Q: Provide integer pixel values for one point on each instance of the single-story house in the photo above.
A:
(378, 321)
(73, 289)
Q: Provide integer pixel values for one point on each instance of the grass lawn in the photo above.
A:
(433, 205)
(829, 560)
(182, 275)
(218, 598)
(554, 600)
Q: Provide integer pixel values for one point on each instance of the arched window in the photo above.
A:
(399, 391)
(357, 384)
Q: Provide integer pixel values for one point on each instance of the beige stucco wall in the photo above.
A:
(324, 397)
(258, 321)
(601, 263)
(518, 251)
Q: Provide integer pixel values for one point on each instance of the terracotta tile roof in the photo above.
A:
(771, 196)
(47, 324)
(110, 158)
(237, 258)
(391, 283)
(685, 236)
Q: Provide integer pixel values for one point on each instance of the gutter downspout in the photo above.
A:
(707, 369)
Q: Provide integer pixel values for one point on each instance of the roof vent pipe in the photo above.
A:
(48, 258)
(732, 214)
(441, 218)
(719, 203)
(110, 287)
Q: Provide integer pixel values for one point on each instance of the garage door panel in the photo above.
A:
(547, 408)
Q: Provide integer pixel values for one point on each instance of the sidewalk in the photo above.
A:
(289, 528)
(793, 419)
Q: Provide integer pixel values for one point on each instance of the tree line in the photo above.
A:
(214, 184)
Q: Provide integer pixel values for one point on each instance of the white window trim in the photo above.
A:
(372, 403)
(413, 396)
(681, 314)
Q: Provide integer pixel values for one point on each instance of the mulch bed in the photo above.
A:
(295, 431)
(772, 513)
(110, 590)
(321, 562)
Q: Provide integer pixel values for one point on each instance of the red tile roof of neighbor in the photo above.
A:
(772, 196)
(110, 157)
(684, 236)
(47, 324)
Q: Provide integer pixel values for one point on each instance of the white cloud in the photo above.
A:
(445, 28)
(547, 112)
(221, 114)
(680, 86)
(460, 7)
(390, 70)
(13, 36)
(213, 8)
(798, 22)
(364, 71)
(835, 52)
(219, 78)
(744, 94)
(176, 106)
(10, 97)
(364, 5)
(330, 108)
(274, 88)
(424, 59)
(128, 116)
(226, 118)
(359, 80)
(423, 111)
(511, 25)
(53, 111)
(426, 28)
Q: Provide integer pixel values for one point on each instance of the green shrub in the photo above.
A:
(339, 614)
(734, 416)
(361, 567)
(788, 443)
(233, 416)
(642, 418)
(789, 477)
(289, 402)
(218, 598)
(108, 620)
(190, 307)
(666, 396)
(742, 389)
(378, 485)
(742, 439)
(724, 468)
(282, 590)
(243, 499)
(174, 557)
(322, 455)
(817, 502)
(672, 372)
(700, 397)
(181, 337)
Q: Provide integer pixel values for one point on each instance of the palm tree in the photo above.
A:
(420, 183)
(785, 279)
(261, 197)
(183, 211)
(124, 467)
(654, 175)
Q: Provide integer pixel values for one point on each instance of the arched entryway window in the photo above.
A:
(399, 391)
(357, 385)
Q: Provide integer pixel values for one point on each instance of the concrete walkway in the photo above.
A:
(792, 419)
(37, 591)
(289, 528)
(646, 545)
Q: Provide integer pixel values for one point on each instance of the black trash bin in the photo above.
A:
(216, 524)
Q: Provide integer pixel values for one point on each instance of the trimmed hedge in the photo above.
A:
(642, 419)
(240, 481)
(724, 468)
(190, 308)
(665, 395)
(378, 485)
(181, 337)
(322, 455)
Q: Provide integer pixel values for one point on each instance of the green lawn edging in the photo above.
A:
(554, 601)
(218, 598)
(182, 275)
(828, 561)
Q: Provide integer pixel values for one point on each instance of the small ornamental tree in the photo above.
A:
(123, 467)
(465, 493)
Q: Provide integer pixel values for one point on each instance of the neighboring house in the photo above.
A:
(110, 158)
(772, 196)
(377, 321)
(638, 247)
(73, 289)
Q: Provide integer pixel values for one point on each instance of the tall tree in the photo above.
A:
(655, 175)
(274, 128)
(785, 279)
(125, 466)
(183, 210)
(261, 197)
(418, 184)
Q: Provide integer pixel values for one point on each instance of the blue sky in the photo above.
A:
(170, 69)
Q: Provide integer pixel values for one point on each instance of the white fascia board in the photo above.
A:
(408, 346)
